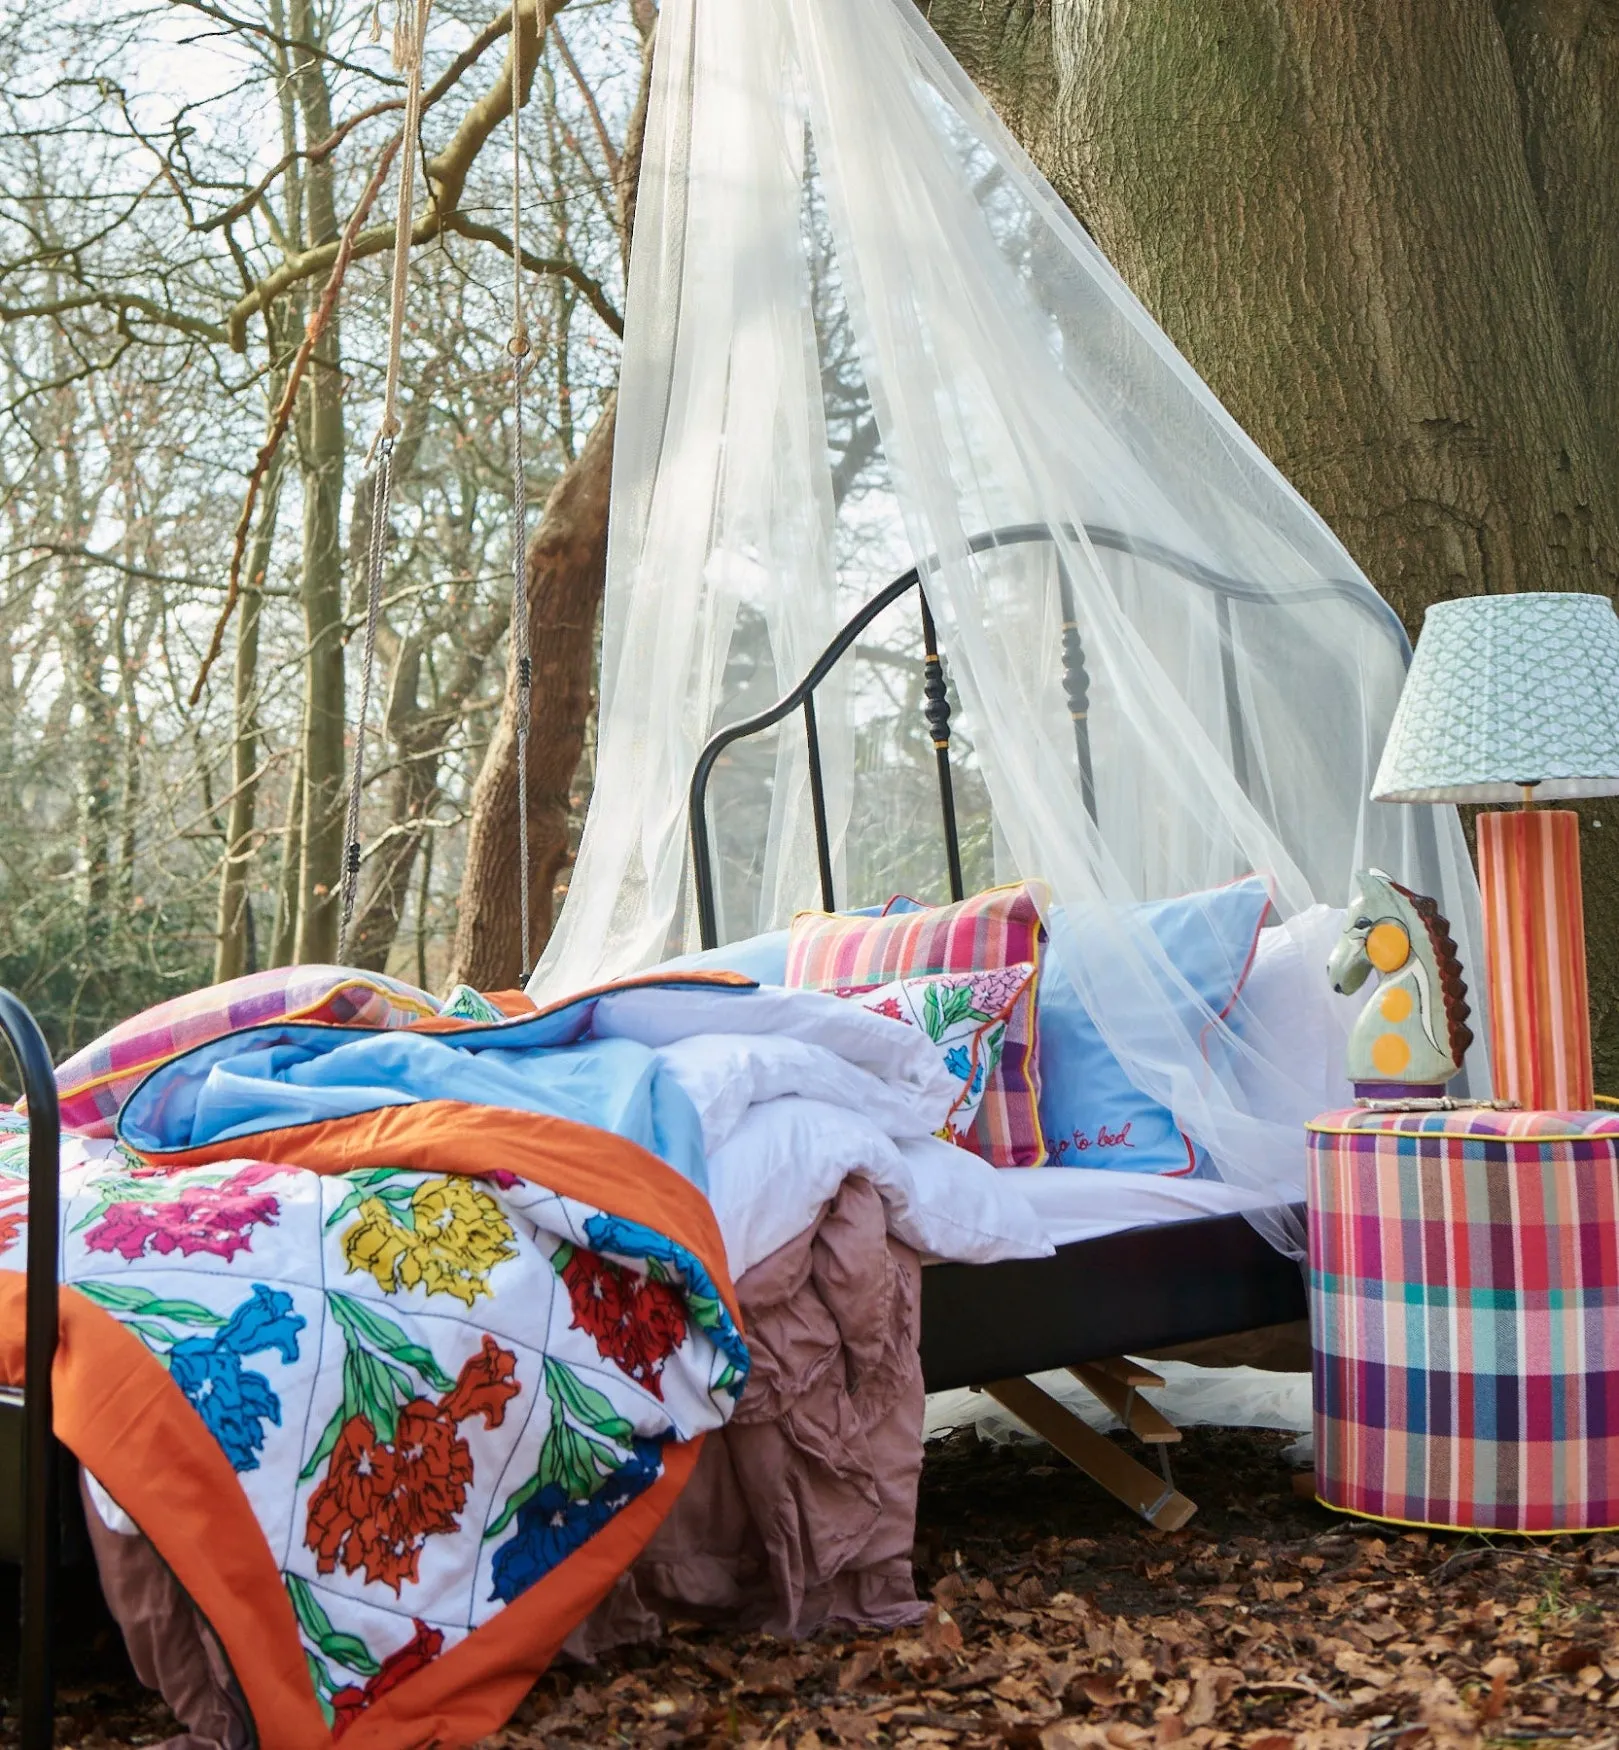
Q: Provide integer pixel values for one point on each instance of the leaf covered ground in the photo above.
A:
(1060, 1622)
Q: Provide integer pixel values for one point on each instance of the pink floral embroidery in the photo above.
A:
(217, 1219)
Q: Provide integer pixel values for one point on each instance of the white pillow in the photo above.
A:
(658, 1016)
(723, 1074)
(1289, 1012)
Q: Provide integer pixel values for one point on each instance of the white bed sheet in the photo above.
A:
(1078, 1203)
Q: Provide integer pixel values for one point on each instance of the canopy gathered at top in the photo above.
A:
(862, 329)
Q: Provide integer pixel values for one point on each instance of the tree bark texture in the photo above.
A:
(1565, 62)
(566, 571)
(321, 457)
(233, 950)
(418, 734)
(1388, 238)
(284, 933)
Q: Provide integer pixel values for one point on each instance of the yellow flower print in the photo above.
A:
(454, 1237)
(376, 1242)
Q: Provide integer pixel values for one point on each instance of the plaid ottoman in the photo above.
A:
(1464, 1312)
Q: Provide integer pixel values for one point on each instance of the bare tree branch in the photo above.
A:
(446, 175)
(440, 88)
(251, 27)
(283, 414)
(117, 303)
(592, 290)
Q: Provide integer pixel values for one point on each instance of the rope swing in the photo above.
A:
(410, 33)
(518, 346)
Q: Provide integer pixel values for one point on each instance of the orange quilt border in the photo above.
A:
(119, 1411)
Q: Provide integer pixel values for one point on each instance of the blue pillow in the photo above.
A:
(763, 958)
(1090, 1112)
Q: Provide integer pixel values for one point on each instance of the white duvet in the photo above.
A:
(797, 1091)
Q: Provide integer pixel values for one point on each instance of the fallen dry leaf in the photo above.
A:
(858, 1667)
(1060, 1622)
(940, 1631)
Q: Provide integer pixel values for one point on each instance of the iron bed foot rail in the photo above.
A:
(1224, 589)
(41, 1529)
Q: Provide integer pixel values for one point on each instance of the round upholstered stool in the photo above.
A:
(1464, 1313)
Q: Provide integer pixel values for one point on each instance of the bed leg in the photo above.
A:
(1117, 1384)
(1154, 1498)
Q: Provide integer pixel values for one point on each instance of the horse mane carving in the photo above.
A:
(1452, 985)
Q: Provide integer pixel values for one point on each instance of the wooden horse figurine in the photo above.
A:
(1411, 1037)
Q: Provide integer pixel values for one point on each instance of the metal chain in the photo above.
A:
(520, 649)
(375, 558)
(518, 347)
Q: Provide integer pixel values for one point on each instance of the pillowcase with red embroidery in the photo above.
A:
(991, 931)
(965, 1014)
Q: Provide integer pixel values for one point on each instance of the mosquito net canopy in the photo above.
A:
(862, 332)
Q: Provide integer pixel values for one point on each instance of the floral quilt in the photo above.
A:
(396, 1396)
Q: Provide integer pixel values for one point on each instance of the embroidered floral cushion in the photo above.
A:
(965, 1015)
(466, 1004)
(94, 1083)
(996, 930)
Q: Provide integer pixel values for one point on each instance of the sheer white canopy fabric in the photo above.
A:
(862, 330)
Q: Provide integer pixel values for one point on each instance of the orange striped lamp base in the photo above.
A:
(1534, 955)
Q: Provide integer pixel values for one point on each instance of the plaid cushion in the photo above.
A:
(988, 932)
(1464, 1272)
(94, 1083)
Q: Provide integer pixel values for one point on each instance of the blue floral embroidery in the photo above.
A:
(233, 1402)
(634, 1239)
(958, 1060)
(551, 1526)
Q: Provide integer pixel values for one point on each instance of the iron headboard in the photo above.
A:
(936, 704)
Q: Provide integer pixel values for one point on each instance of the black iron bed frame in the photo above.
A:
(936, 704)
(1124, 1293)
(31, 1516)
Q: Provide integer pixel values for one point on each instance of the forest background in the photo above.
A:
(1386, 234)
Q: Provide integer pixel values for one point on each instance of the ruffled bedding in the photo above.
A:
(395, 1349)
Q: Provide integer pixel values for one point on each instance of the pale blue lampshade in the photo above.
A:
(1504, 691)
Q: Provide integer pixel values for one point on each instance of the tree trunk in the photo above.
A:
(84, 659)
(233, 947)
(1331, 210)
(1565, 62)
(566, 570)
(284, 936)
(321, 458)
(419, 735)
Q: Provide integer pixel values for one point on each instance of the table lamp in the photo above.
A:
(1515, 698)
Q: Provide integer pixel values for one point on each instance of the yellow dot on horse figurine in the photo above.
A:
(1388, 947)
(1395, 1005)
(1390, 1054)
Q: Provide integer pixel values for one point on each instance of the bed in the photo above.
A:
(1139, 1266)
(958, 1324)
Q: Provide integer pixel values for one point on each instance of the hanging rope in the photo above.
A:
(518, 346)
(410, 31)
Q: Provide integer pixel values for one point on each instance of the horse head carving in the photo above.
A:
(1414, 1031)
